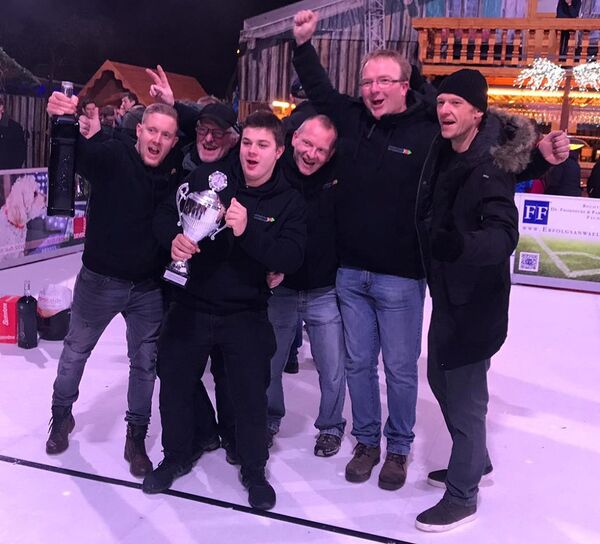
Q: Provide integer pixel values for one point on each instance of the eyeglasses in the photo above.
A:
(381, 82)
(217, 133)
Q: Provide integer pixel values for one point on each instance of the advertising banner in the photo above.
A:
(26, 233)
(559, 242)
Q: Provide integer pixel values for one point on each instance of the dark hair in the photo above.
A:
(132, 96)
(268, 121)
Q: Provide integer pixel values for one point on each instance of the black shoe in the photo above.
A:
(444, 516)
(209, 444)
(163, 476)
(61, 424)
(261, 494)
(437, 478)
(360, 466)
(292, 367)
(327, 445)
(231, 455)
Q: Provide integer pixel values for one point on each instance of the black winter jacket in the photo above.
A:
(124, 196)
(229, 274)
(475, 190)
(380, 163)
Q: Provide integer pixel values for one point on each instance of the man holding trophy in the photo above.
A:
(122, 262)
(223, 303)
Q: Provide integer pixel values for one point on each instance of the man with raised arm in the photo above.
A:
(122, 263)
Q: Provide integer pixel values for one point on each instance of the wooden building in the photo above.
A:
(113, 79)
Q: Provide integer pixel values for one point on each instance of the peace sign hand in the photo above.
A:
(160, 88)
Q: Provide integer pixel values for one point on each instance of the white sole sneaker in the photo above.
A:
(430, 528)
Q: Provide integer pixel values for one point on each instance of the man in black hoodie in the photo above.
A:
(380, 282)
(224, 304)
(309, 294)
(122, 263)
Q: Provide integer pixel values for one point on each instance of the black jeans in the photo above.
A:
(208, 424)
(462, 394)
(247, 343)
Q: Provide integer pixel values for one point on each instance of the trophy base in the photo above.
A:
(177, 273)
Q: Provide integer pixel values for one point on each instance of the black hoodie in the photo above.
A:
(229, 273)
(380, 162)
(124, 195)
(320, 261)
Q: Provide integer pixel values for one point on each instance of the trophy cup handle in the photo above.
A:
(212, 236)
(182, 192)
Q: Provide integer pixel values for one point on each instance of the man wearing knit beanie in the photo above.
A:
(461, 103)
(468, 228)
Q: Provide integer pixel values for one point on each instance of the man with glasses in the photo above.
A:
(380, 281)
(214, 134)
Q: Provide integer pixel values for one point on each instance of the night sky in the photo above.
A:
(70, 39)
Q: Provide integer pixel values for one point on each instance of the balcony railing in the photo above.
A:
(504, 46)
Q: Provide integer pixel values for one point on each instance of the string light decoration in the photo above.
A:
(542, 75)
(587, 75)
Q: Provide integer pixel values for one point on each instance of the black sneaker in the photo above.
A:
(61, 425)
(292, 367)
(231, 455)
(210, 444)
(163, 476)
(437, 478)
(327, 445)
(444, 516)
(261, 494)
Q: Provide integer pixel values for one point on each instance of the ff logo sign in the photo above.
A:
(536, 212)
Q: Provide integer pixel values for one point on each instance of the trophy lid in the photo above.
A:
(207, 198)
(217, 181)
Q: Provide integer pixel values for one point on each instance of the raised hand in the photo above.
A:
(236, 217)
(89, 126)
(305, 24)
(554, 147)
(160, 88)
(61, 104)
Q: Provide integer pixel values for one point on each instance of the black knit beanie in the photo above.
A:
(468, 84)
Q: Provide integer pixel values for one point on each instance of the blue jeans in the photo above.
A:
(382, 312)
(318, 308)
(97, 299)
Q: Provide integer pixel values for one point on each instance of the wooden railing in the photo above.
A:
(446, 44)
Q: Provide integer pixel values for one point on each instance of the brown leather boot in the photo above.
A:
(135, 450)
(360, 466)
(393, 472)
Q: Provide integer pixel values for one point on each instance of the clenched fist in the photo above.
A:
(305, 24)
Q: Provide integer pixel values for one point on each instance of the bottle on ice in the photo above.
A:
(27, 336)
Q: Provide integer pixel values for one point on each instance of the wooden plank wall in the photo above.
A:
(30, 113)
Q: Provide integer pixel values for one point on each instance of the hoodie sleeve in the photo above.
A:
(164, 224)
(96, 157)
(498, 233)
(317, 85)
(284, 251)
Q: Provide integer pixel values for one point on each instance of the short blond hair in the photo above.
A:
(396, 56)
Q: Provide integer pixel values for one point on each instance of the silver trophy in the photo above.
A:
(200, 214)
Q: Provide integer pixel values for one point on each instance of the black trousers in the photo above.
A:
(208, 424)
(462, 394)
(247, 343)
